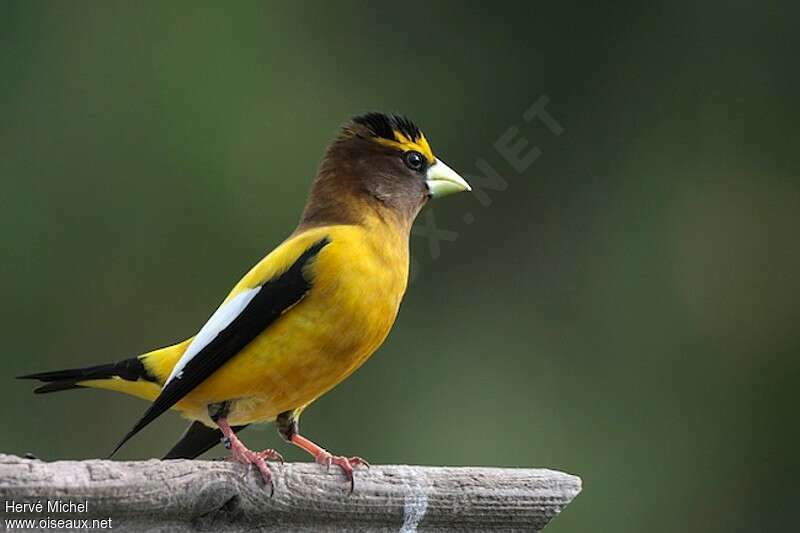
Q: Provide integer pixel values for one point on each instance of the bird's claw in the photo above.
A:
(242, 455)
(270, 455)
(346, 464)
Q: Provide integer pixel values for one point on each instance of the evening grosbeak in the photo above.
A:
(306, 316)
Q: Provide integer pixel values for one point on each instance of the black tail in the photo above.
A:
(57, 380)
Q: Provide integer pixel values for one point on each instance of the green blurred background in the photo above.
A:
(624, 310)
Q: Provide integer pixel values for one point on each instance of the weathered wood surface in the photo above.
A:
(221, 496)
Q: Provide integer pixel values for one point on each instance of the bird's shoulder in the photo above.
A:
(333, 245)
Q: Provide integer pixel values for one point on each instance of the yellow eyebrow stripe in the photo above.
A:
(402, 142)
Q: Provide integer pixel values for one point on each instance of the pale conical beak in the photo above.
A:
(443, 180)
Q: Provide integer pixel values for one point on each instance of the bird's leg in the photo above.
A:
(239, 452)
(288, 429)
(324, 457)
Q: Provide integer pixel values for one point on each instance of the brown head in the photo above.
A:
(379, 165)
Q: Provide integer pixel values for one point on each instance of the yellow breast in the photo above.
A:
(358, 281)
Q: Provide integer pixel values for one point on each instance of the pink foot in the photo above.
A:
(347, 464)
(242, 454)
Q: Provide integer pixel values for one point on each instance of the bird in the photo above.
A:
(306, 316)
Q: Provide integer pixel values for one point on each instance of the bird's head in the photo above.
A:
(381, 163)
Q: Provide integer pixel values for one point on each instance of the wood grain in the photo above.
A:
(218, 496)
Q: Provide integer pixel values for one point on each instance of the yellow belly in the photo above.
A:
(344, 318)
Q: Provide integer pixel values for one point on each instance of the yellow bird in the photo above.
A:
(307, 315)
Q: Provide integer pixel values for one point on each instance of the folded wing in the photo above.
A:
(232, 327)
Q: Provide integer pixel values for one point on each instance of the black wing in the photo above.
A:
(197, 440)
(270, 302)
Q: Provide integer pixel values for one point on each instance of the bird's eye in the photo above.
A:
(414, 160)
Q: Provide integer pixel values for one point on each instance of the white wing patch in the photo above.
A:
(221, 319)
